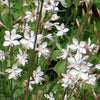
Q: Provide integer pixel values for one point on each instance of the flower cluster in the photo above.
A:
(79, 71)
(32, 41)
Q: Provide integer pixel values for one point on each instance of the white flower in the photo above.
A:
(91, 47)
(11, 38)
(25, 28)
(61, 30)
(68, 80)
(50, 5)
(66, 97)
(49, 36)
(97, 66)
(4, 2)
(82, 1)
(28, 42)
(63, 2)
(91, 80)
(77, 61)
(14, 72)
(37, 76)
(78, 46)
(49, 96)
(43, 50)
(16, 26)
(64, 53)
(39, 38)
(79, 73)
(54, 17)
(2, 55)
(30, 16)
(22, 57)
(48, 25)
(65, 80)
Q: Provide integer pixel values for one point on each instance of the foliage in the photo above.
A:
(44, 47)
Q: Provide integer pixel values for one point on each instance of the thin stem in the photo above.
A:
(38, 22)
(11, 81)
(9, 17)
(32, 61)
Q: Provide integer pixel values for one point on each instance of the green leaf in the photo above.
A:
(60, 67)
(86, 86)
(58, 46)
(68, 3)
(97, 3)
(56, 54)
(4, 17)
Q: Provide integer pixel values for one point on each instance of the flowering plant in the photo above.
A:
(49, 50)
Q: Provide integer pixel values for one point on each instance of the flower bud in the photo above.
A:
(88, 22)
(95, 29)
(98, 11)
(77, 22)
(83, 12)
(34, 97)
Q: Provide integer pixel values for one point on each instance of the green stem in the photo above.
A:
(9, 17)
(11, 82)
(32, 61)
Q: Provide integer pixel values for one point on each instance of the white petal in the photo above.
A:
(74, 72)
(82, 43)
(6, 43)
(66, 30)
(82, 50)
(71, 60)
(7, 33)
(14, 66)
(62, 26)
(18, 70)
(73, 47)
(78, 57)
(13, 32)
(84, 76)
(58, 27)
(97, 66)
(18, 36)
(44, 44)
(9, 70)
(38, 69)
(12, 75)
(23, 41)
(89, 41)
(59, 33)
(16, 42)
(7, 36)
(26, 35)
(75, 41)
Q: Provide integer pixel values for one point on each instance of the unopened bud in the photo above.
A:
(1, 73)
(24, 84)
(88, 22)
(34, 97)
(40, 92)
(95, 95)
(95, 29)
(91, 2)
(41, 20)
(3, 25)
(77, 22)
(86, 5)
(59, 97)
(83, 12)
(18, 19)
(98, 11)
